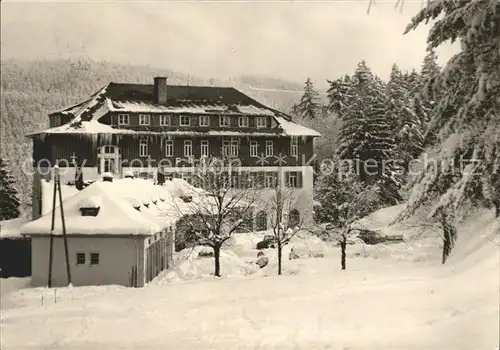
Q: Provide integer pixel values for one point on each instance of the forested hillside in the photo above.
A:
(32, 89)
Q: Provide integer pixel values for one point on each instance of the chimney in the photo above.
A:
(160, 90)
(107, 177)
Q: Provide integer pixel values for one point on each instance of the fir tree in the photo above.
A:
(407, 126)
(9, 202)
(466, 116)
(366, 135)
(429, 92)
(338, 94)
(430, 67)
(310, 105)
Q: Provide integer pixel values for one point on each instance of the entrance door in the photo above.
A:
(109, 159)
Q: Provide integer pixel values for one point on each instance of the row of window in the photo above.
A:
(186, 120)
(81, 258)
(262, 179)
(230, 147)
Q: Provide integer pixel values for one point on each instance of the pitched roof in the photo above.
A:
(118, 97)
(159, 207)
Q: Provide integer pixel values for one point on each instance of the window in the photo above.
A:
(164, 119)
(243, 122)
(226, 148)
(169, 148)
(271, 180)
(224, 121)
(56, 120)
(254, 148)
(89, 211)
(293, 179)
(234, 147)
(143, 148)
(94, 258)
(204, 148)
(123, 119)
(294, 147)
(269, 149)
(261, 122)
(188, 148)
(185, 120)
(80, 258)
(204, 120)
(144, 119)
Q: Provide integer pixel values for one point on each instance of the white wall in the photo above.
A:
(117, 255)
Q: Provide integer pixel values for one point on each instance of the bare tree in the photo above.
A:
(284, 223)
(226, 205)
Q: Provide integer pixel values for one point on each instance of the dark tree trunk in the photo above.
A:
(497, 208)
(343, 246)
(217, 260)
(449, 236)
(280, 251)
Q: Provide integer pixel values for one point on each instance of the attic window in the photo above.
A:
(90, 206)
(89, 211)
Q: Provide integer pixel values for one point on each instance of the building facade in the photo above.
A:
(161, 131)
(109, 241)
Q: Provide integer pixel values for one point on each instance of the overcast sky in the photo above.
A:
(291, 40)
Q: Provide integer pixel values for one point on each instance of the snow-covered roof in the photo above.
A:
(116, 217)
(293, 129)
(139, 98)
(159, 207)
(12, 228)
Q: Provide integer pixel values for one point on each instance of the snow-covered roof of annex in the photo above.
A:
(197, 100)
(126, 207)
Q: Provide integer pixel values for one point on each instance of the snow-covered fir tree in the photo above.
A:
(338, 93)
(467, 115)
(310, 106)
(429, 93)
(430, 67)
(9, 201)
(366, 135)
(338, 189)
(406, 124)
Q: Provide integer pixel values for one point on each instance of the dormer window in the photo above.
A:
(185, 120)
(56, 119)
(123, 119)
(164, 120)
(89, 211)
(134, 202)
(224, 121)
(261, 122)
(243, 121)
(204, 120)
(144, 119)
(90, 206)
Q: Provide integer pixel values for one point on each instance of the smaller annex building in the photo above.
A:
(118, 232)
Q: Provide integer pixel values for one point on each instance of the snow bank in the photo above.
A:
(12, 284)
(189, 265)
(12, 228)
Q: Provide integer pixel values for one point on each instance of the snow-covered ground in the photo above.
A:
(390, 297)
